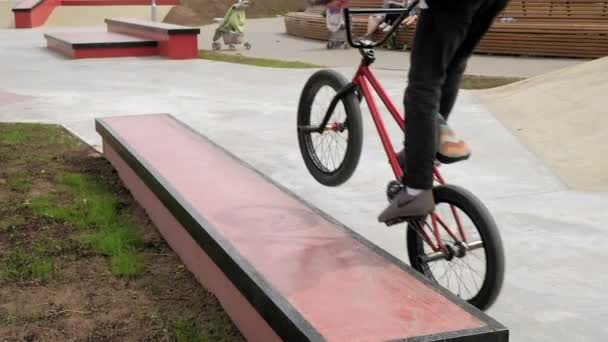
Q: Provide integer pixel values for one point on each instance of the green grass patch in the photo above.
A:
(261, 62)
(128, 264)
(184, 329)
(114, 240)
(13, 137)
(486, 82)
(26, 264)
(85, 203)
(36, 135)
(216, 328)
(20, 183)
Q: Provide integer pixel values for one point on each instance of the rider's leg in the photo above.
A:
(441, 30)
(452, 149)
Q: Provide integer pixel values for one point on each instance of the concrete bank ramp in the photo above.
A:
(562, 116)
(94, 15)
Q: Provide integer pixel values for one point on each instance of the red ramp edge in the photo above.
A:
(255, 305)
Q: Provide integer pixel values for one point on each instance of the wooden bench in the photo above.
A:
(573, 28)
(33, 13)
(282, 269)
(174, 41)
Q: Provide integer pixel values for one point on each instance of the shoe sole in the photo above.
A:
(449, 160)
(409, 219)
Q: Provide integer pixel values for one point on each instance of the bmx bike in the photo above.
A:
(460, 238)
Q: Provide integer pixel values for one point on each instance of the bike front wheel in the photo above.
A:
(471, 263)
(331, 153)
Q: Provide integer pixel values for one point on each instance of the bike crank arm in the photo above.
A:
(336, 127)
(459, 251)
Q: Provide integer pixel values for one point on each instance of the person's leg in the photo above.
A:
(482, 21)
(441, 30)
(372, 25)
(451, 148)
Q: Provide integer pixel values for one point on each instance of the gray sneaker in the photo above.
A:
(405, 206)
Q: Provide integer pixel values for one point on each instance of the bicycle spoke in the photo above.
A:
(464, 283)
(471, 268)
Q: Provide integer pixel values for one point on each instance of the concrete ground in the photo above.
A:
(269, 40)
(555, 239)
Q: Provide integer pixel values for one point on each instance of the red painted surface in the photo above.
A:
(101, 52)
(246, 318)
(179, 46)
(36, 16)
(116, 2)
(344, 289)
(7, 98)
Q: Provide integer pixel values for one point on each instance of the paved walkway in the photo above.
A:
(269, 40)
(555, 239)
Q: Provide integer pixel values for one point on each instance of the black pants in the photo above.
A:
(390, 19)
(446, 35)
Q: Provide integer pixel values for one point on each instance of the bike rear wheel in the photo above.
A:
(475, 260)
(331, 155)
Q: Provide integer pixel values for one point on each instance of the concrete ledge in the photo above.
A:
(282, 269)
(174, 41)
(33, 13)
(100, 45)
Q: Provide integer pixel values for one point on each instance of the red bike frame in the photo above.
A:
(363, 79)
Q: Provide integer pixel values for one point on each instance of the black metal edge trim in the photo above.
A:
(491, 323)
(285, 320)
(28, 9)
(114, 45)
(469, 335)
(170, 31)
(101, 45)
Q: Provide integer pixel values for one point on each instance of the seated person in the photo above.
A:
(385, 22)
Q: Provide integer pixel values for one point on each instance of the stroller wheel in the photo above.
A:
(216, 46)
(247, 46)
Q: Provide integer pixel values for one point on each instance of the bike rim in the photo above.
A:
(328, 148)
(464, 276)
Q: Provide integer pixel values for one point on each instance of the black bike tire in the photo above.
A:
(355, 128)
(488, 231)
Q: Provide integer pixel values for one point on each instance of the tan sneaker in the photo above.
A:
(451, 149)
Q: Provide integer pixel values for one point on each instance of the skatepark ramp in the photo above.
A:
(562, 116)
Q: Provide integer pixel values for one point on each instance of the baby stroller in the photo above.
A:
(334, 20)
(232, 27)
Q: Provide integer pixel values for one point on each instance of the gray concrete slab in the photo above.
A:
(554, 238)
